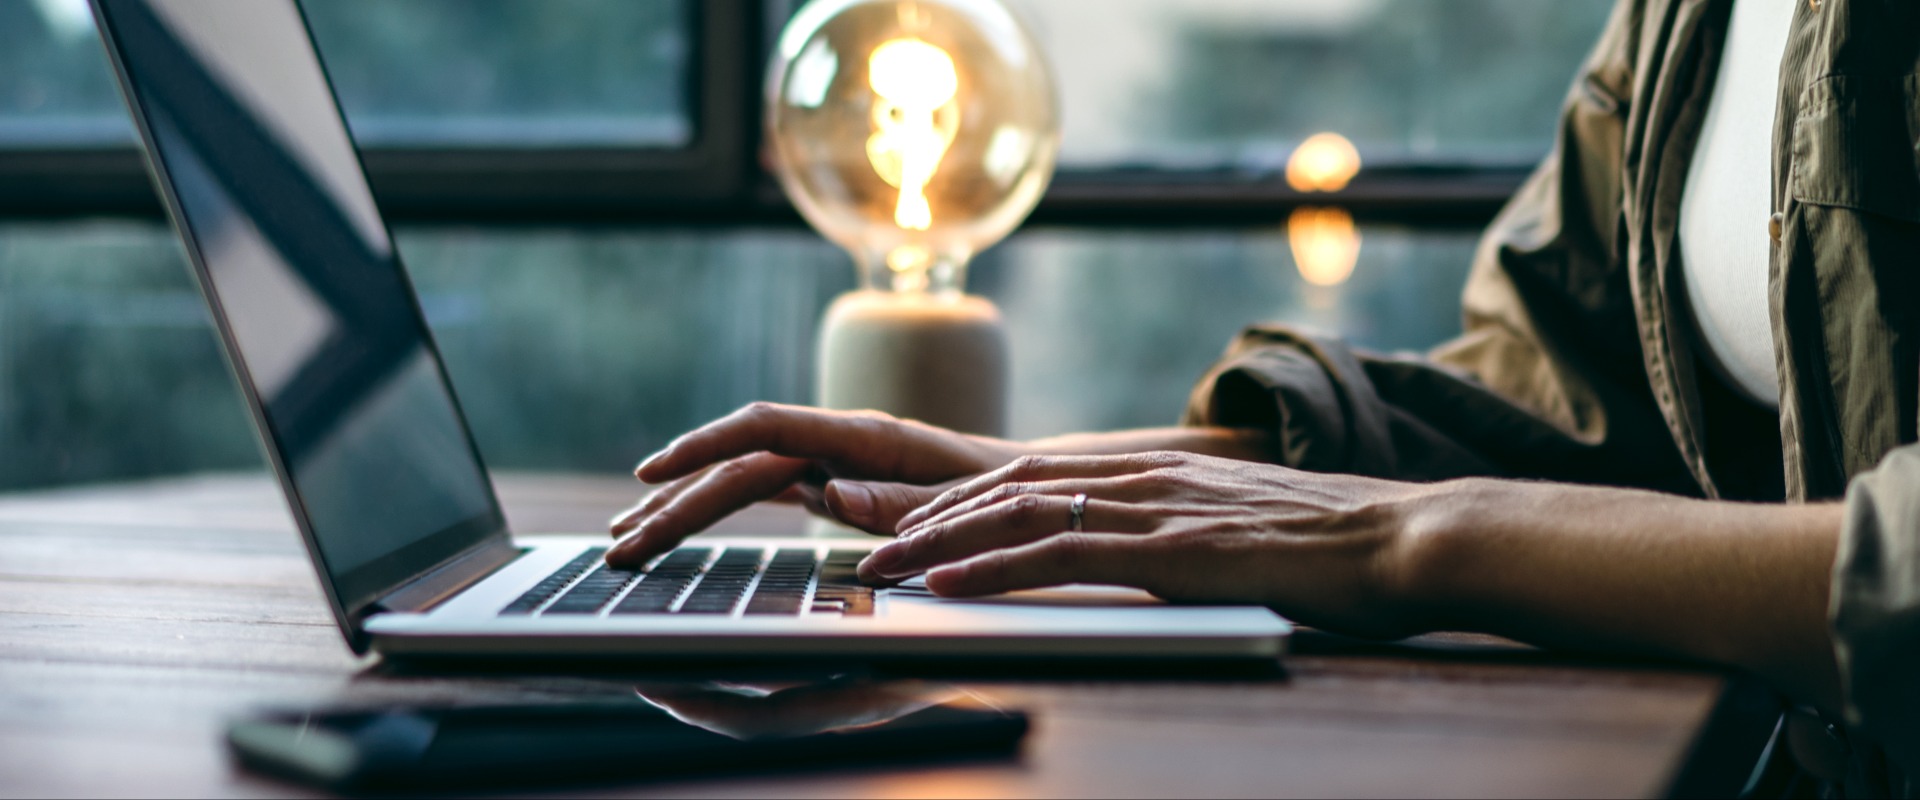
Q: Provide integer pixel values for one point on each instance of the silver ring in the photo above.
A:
(1078, 509)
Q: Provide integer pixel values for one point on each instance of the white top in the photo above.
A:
(1724, 244)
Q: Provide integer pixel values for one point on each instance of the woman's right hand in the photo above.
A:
(863, 468)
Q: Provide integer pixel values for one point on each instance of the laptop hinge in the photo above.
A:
(423, 593)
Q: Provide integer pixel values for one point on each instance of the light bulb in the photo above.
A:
(1325, 162)
(913, 133)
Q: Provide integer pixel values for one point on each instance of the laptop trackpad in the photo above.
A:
(1078, 595)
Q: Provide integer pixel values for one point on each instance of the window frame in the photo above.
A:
(718, 178)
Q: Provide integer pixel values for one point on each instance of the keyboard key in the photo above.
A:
(662, 585)
(594, 593)
(774, 606)
(783, 589)
(552, 584)
(725, 582)
(840, 585)
(692, 580)
(694, 555)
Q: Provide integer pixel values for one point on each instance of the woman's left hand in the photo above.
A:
(1325, 550)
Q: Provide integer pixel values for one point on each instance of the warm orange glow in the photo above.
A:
(1325, 244)
(915, 81)
(1325, 162)
(951, 782)
(909, 259)
(909, 264)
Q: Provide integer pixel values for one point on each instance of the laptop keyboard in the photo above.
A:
(693, 580)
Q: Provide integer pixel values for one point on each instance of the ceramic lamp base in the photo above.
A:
(940, 360)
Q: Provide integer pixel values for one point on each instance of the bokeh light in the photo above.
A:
(1325, 244)
(1325, 162)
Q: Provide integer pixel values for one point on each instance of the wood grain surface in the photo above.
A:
(136, 619)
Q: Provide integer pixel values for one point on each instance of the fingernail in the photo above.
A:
(856, 502)
(881, 560)
(625, 538)
(621, 524)
(942, 581)
(651, 460)
(909, 522)
(622, 552)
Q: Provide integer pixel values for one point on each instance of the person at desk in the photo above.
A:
(1680, 420)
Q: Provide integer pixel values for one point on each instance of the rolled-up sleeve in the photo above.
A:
(1546, 379)
(1331, 407)
(1875, 608)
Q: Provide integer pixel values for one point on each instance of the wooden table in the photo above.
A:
(134, 619)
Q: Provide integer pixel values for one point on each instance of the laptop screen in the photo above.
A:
(320, 321)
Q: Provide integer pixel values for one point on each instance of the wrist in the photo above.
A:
(1441, 543)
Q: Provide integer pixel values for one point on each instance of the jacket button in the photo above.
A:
(1774, 223)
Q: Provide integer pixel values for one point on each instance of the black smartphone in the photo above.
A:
(662, 731)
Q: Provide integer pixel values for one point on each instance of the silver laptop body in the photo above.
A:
(323, 332)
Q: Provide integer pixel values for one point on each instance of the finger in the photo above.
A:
(626, 520)
(653, 502)
(1111, 559)
(1023, 519)
(627, 517)
(1123, 489)
(874, 444)
(807, 496)
(726, 488)
(1031, 469)
(876, 506)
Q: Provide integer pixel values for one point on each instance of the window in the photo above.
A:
(1241, 82)
(570, 73)
(575, 189)
(422, 73)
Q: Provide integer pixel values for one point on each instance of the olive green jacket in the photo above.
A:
(1578, 361)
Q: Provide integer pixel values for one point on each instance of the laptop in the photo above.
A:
(324, 334)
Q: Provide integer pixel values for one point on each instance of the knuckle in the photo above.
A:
(1150, 483)
(759, 409)
(1066, 550)
(731, 469)
(1026, 466)
(665, 519)
(1007, 492)
(915, 547)
(1182, 539)
(1024, 508)
(1151, 517)
(1166, 459)
(650, 504)
(950, 497)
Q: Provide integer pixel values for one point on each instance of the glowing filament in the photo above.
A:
(913, 122)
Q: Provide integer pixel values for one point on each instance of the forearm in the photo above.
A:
(1743, 585)
(1244, 444)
